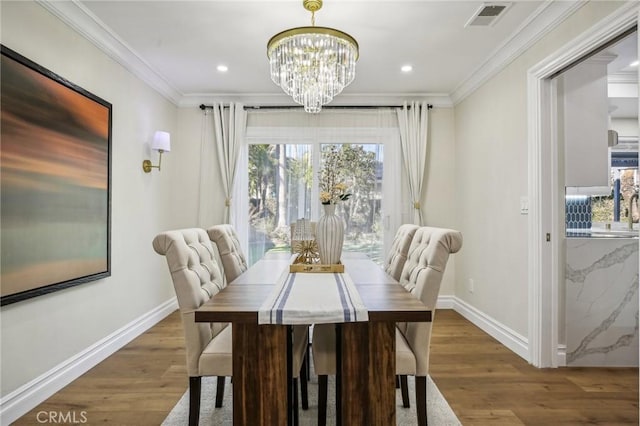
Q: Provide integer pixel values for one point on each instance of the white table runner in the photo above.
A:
(313, 298)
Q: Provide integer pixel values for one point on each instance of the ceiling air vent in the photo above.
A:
(487, 15)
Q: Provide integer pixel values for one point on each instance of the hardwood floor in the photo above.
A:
(484, 382)
(137, 386)
(487, 384)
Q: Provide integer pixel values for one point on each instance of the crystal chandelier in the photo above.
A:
(312, 64)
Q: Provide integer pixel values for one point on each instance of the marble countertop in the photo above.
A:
(618, 230)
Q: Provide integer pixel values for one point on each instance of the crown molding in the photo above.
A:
(624, 77)
(547, 17)
(622, 19)
(83, 21)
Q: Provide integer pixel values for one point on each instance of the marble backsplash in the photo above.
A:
(602, 302)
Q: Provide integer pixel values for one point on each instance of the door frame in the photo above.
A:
(545, 224)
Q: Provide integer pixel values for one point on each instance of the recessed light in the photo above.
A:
(406, 68)
(633, 64)
(223, 68)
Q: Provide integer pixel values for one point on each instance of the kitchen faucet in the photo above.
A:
(633, 197)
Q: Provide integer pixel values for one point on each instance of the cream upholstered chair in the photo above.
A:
(397, 256)
(393, 264)
(191, 258)
(196, 278)
(233, 259)
(421, 276)
(234, 263)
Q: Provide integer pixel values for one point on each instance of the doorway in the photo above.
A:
(597, 147)
(546, 211)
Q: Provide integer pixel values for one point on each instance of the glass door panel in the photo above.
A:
(361, 169)
(283, 182)
(280, 179)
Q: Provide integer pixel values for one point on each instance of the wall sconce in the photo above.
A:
(162, 143)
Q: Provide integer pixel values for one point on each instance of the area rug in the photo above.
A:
(438, 411)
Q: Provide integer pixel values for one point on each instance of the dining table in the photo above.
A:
(366, 348)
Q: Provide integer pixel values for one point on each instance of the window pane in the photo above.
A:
(361, 169)
(280, 178)
(283, 184)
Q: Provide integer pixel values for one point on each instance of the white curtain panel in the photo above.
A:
(413, 121)
(225, 138)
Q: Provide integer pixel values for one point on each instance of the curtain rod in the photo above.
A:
(429, 106)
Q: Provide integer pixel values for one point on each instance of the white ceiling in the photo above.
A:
(177, 45)
(623, 78)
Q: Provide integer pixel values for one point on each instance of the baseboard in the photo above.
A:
(445, 302)
(17, 403)
(561, 356)
(503, 334)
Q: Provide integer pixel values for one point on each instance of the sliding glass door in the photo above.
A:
(282, 182)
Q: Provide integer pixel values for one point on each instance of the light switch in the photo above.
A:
(524, 205)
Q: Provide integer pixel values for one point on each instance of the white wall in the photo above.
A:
(186, 185)
(625, 126)
(491, 173)
(438, 198)
(39, 333)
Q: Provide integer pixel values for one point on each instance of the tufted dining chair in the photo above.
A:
(421, 275)
(196, 276)
(233, 259)
(397, 256)
(234, 263)
(393, 264)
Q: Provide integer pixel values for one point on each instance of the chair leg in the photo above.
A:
(308, 357)
(303, 385)
(220, 391)
(296, 419)
(421, 399)
(322, 399)
(194, 400)
(397, 382)
(404, 388)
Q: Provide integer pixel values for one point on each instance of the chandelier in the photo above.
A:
(312, 64)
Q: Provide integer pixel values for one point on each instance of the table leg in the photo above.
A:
(382, 373)
(259, 373)
(290, 390)
(368, 373)
(338, 374)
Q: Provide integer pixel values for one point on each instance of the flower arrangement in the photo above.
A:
(332, 190)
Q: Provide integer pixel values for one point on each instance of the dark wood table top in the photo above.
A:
(391, 302)
(384, 298)
(234, 303)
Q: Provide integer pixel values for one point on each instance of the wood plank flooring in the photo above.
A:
(484, 382)
(487, 384)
